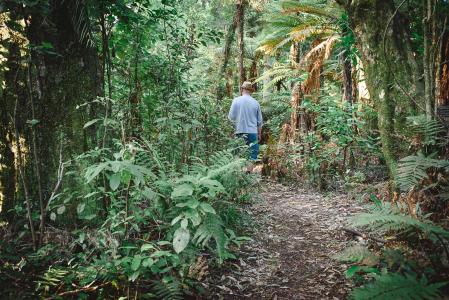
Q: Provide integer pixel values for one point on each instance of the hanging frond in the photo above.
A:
(323, 49)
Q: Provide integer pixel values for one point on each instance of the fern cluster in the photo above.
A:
(393, 286)
(390, 274)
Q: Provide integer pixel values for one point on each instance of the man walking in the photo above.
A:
(246, 115)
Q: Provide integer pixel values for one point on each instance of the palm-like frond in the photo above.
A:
(291, 21)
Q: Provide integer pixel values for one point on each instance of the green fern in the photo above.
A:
(356, 254)
(427, 130)
(167, 289)
(387, 217)
(289, 21)
(396, 286)
(413, 169)
(213, 227)
(52, 278)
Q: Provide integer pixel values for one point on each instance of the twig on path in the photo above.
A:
(363, 235)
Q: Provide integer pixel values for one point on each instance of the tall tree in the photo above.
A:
(62, 72)
(241, 38)
(392, 72)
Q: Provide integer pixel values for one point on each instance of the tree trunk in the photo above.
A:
(390, 65)
(64, 72)
(226, 54)
(347, 79)
(12, 92)
(241, 38)
(443, 83)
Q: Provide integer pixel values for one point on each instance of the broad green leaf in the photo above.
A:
(193, 215)
(135, 264)
(184, 223)
(181, 239)
(61, 210)
(161, 253)
(206, 207)
(90, 123)
(192, 203)
(163, 243)
(146, 247)
(176, 220)
(115, 166)
(134, 276)
(53, 216)
(80, 208)
(147, 262)
(92, 172)
(182, 190)
(114, 181)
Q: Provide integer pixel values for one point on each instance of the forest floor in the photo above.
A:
(295, 235)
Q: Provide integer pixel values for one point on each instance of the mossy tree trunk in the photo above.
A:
(392, 72)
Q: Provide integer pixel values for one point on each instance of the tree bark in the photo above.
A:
(226, 54)
(12, 92)
(241, 38)
(443, 84)
(64, 73)
(392, 73)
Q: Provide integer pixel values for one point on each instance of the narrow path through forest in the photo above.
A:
(296, 233)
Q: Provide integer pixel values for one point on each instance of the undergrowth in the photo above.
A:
(141, 226)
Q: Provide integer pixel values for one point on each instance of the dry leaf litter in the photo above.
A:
(295, 235)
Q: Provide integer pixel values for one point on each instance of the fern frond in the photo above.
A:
(325, 46)
(388, 217)
(212, 227)
(167, 289)
(413, 169)
(396, 286)
(427, 131)
(356, 254)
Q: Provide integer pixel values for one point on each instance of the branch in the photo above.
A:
(363, 235)
(58, 183)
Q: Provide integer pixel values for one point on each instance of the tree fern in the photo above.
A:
(396, 286)
(291, 21)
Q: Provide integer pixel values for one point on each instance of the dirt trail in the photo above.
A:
(297, 231)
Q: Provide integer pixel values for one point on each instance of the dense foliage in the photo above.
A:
(119, 173)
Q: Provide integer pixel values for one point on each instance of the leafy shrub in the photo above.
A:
(143, 223)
